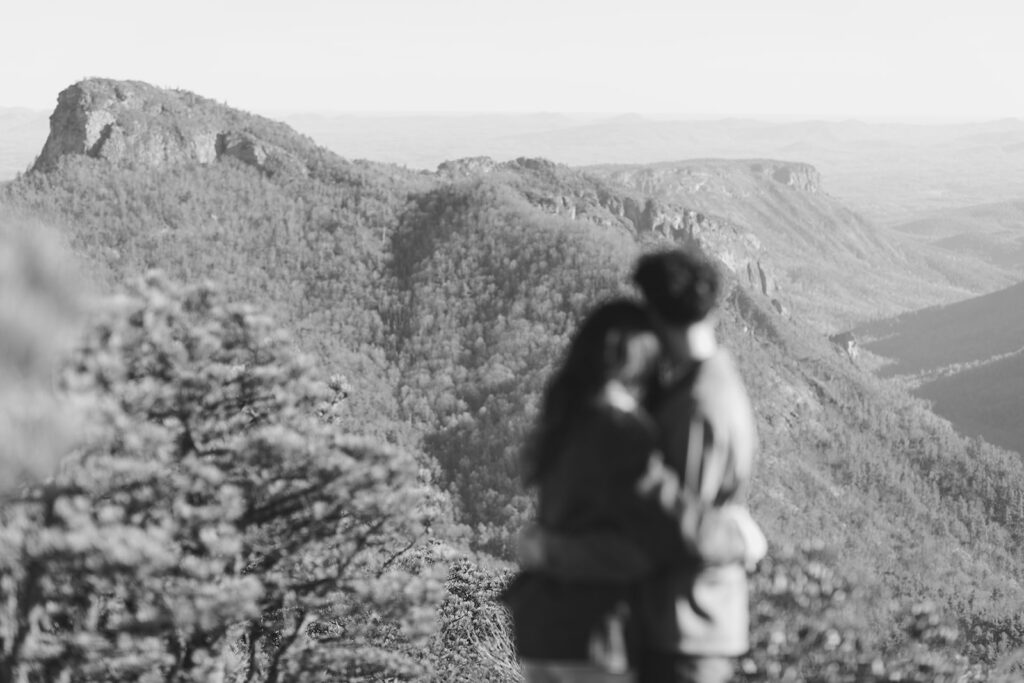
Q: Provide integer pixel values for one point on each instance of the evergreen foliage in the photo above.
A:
(493, 288)
(311, 251)
(474, 640)
(215, 523)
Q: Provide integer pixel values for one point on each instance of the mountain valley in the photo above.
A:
(965, 358)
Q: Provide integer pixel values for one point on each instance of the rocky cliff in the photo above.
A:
(825, 257)
(461, 168)
(738, 249)
(803, 177)
(134, 123)
(563, 191)
(741, 178)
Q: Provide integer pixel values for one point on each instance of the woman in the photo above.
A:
(591, 445)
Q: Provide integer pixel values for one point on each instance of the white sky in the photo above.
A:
(870, 59)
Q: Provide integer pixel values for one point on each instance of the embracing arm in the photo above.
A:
(596, 555)
(625, 536)
(715, 448)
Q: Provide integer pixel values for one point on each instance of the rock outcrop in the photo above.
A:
(718, 177)
(469, 166)
(134, 123)
(563, 191)
(846, 342)
(250, 150)
(738, 249)
(799, 176)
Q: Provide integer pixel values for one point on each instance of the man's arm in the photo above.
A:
(708, 532)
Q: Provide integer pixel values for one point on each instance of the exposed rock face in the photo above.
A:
(560, 190)
(738, 249)
(252, 151)
(535, 164)
(560, 205)
(469, 166)
(803, 177)
(129, 122)
(727, 178)
(847, 342)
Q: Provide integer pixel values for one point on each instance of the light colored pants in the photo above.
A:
(535, 671)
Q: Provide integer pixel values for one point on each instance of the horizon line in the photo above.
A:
(652, 116)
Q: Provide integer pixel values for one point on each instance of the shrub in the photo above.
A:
(214, 524)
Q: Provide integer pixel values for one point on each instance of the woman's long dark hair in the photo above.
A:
(596, 354)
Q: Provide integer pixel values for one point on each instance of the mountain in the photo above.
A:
(135, 123)
(891, 173)
(834, 266)
(441, 302)
(966, 358)
(425, 141)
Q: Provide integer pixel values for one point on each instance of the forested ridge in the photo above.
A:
(433, 307)
(858, 271)
(964, 358)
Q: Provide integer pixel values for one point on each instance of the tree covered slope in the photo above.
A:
(832, 264)
(965, 358)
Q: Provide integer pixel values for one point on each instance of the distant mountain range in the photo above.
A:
(890, 173)
(992, 232)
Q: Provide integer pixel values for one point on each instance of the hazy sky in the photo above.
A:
(872, 59)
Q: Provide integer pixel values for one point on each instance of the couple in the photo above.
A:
(636, 567)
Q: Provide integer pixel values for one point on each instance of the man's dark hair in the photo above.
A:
(680, 286)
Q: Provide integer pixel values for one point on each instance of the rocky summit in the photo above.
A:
(134, 123)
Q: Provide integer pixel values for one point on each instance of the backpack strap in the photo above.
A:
(675, 381)
(703, 477)
(709, 473)
(694, 451)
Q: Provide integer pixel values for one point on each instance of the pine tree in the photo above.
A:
(214, 523)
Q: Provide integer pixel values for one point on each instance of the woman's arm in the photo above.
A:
(627, 538)
(596, 555)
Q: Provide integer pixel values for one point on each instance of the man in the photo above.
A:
(695, 618)
(691, 615)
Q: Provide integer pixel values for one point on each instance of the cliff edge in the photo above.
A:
(134, 123)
